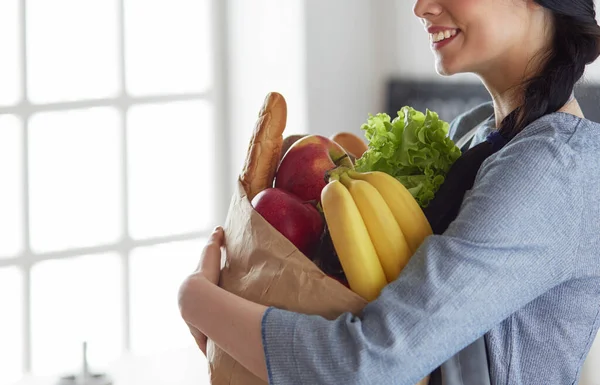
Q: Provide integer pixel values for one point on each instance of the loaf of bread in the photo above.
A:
(264, 150)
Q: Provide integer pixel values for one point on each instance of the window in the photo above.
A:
(109, 167)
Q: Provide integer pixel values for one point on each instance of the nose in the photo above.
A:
(425, 9)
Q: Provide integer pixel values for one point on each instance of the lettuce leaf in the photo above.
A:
(413, 147)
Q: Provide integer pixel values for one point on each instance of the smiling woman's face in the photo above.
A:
(475, 35)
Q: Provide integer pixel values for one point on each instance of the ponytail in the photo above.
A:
(575, 45)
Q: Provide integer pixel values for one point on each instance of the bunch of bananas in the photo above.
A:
(375, 225)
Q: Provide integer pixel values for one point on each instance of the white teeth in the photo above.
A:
(442, 35)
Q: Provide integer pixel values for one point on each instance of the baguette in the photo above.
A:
(264, 150)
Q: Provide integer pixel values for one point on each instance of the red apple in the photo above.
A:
(303, 167)
(297, 220)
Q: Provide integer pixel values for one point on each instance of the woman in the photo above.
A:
(516, 266)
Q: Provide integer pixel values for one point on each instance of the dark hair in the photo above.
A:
(575, 44)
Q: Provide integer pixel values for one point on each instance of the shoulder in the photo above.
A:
(556, 150)
(540, 177)
(569, 134)
(580, 134)
(468, 120)
(541, 143)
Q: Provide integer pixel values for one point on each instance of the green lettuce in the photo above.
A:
(413, 147)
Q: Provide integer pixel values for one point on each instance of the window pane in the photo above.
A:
(72, 49)
(167, 44)
(154, 301)
(76, 300)
(171, 168)
(75, 178)
(10, 65)
(11, 225)
(11, 332)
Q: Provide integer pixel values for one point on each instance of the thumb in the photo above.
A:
(216, 237)
(212, 247)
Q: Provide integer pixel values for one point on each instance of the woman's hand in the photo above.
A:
(208, 269)
(210, 260)
(231, 322)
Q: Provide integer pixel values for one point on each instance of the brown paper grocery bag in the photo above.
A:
(261, 265)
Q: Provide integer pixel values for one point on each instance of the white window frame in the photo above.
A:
(217, 96)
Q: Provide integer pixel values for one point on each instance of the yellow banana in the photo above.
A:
(384, 231)
(351, 241)
(406, 210)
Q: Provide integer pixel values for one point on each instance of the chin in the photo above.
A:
(446, 67)
(443, 71)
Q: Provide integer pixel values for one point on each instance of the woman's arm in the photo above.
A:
(233, 323)
(514, 240)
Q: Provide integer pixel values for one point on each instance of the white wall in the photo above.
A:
(321, 55)
(342, 65)
(266, 52)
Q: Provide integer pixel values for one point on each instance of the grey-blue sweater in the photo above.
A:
(520, 266)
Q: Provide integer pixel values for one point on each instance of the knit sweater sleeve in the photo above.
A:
(513, 240)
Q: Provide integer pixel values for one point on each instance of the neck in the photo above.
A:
(507, 96)
(505, 84)
(505, 100)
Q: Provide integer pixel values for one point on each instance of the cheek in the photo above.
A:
(475, 50)
(492, 43)
(480, 44)
(461, 7)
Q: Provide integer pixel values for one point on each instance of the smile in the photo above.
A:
(442, 35)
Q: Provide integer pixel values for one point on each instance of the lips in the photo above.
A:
(440, 36)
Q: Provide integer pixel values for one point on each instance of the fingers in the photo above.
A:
(213, 246)
(200, 338)
(201, 342)
(209, 269)
(202, 345)
(216, 237)
(217, 233)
